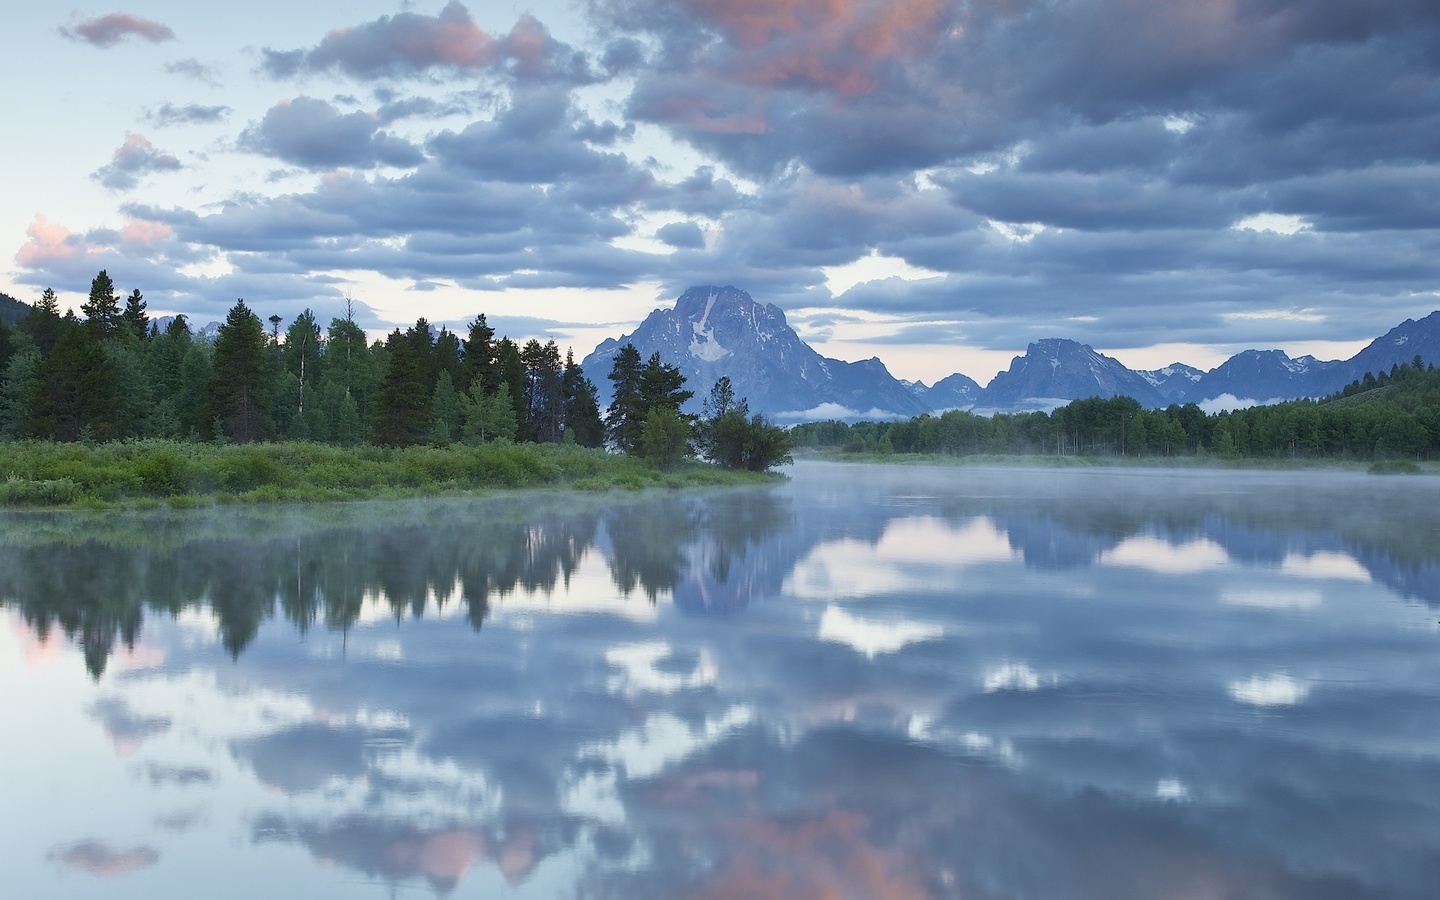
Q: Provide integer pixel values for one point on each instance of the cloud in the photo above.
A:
(195, 69)
(107, 31)
(314, 134)
(101, 861)
(131, 161)
(410, 44)
(190, 114)
(681, 234)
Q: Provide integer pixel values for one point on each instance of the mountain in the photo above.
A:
(1265, 375)
(1174, 382)
(1400, 344)
(714, 331)
(1055, 371)
(12, 310)
(956, 391)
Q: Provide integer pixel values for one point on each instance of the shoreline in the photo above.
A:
(158, 474)
(1179, 463)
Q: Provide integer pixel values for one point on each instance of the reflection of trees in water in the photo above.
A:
(97, 591)
(711, 554)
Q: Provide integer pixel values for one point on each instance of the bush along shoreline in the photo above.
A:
(156, 472)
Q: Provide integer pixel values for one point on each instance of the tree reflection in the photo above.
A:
(98, 590)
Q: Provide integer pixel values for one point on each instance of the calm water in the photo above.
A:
(870, 682)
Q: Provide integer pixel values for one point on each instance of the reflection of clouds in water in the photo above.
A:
(1325, 566)
(100, 860)
(1261, 598)
(652, 666)
(1172, 789)
(871, 636)
(1278, 689)
(663, 740)
(126, 728)
(1156, 555)
(1012, 677)
(595, 796)
(917, 553)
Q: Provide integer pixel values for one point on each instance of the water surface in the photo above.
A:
(870, 682)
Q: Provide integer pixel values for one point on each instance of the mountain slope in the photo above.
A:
(1061, 370)
(714, 331)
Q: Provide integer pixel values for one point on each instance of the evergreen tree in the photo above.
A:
(302, 355)
(422, 351)
(42, 323)
(625, 417)
(402, 405)
(134, 318)
(350, 364)
(511, 370)
(238, 392)
(479, 353)
(102, 309)
(445, 411)
(544, 399)
(663, 385)
(18, 390)
(487, 417)
(447, 357)
(582, 407)
(75, 393)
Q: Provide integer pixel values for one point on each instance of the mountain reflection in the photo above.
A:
(906, 684)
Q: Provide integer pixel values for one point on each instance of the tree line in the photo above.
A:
(111, 374)
(1390, 415)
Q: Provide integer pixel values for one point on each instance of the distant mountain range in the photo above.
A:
(714, 331)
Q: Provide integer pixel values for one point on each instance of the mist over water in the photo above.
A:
(873, 681)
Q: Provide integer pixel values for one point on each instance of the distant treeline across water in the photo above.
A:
(1391, 415)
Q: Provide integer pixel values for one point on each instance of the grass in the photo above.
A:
(149, 473)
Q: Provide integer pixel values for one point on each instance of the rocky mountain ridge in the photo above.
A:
(713, 331)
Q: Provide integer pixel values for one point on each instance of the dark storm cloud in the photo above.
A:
(131, 161)
(109, 30)
(189, 114)
(314, 134)
(411, 44)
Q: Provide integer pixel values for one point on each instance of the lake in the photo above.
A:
(873, 681)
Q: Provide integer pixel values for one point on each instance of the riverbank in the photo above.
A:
(1206, 461)
(154, 473)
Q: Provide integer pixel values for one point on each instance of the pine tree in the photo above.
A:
(238, 392)
(582, 408)
(511, 370)
(75, 389)
(102, 309)
(445, 411)
(479, 352)
(402, 405)
(134, 317)
(625, 417)
(42, 323)
(544, 399)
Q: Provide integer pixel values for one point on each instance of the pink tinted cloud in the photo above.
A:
(107, 31)
(834, 44)
(410, 43)
(48, 245)
(103, 862)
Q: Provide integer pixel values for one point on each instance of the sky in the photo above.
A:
(934, 182)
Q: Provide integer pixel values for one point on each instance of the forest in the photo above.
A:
(111, 374)
(1387, 416)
